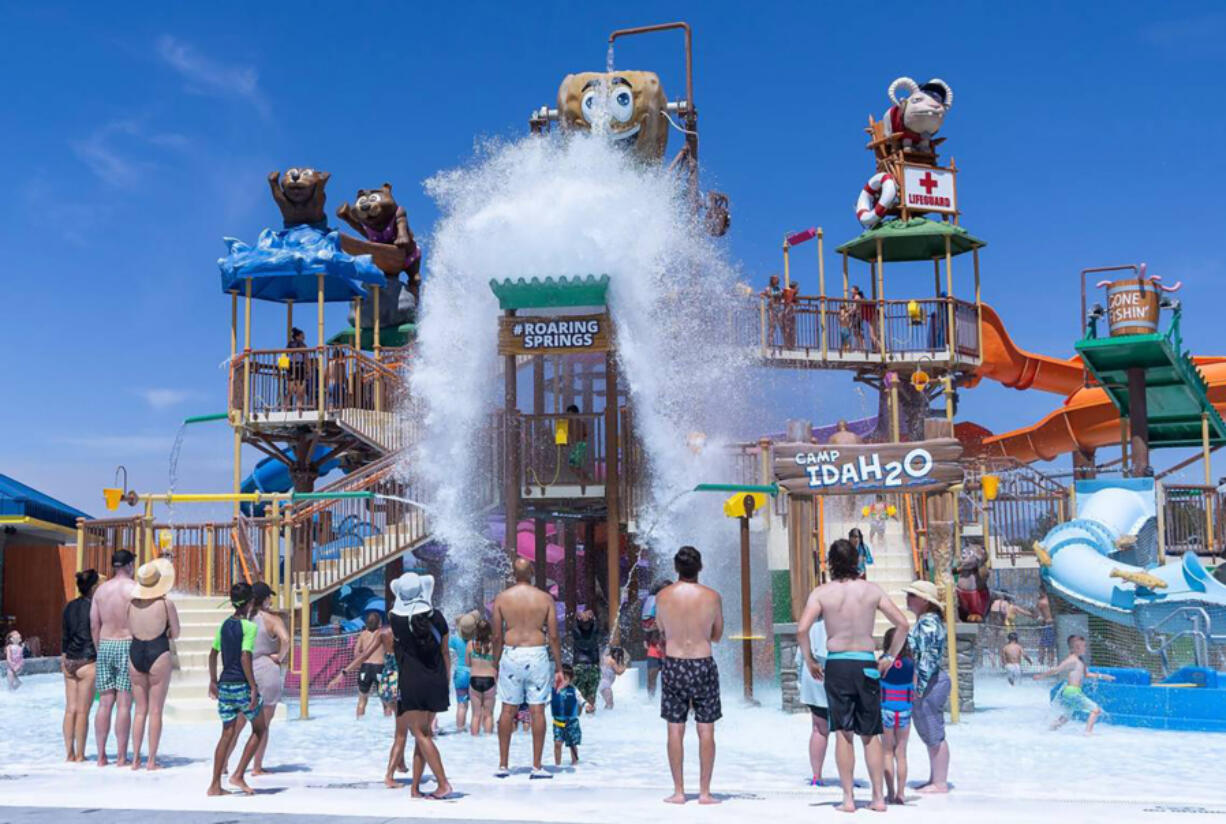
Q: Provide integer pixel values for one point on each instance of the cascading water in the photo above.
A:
(576, 205)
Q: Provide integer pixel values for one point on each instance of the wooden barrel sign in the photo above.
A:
(1132, 307)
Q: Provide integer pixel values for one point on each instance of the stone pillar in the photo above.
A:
(966, 645)
(789, 678)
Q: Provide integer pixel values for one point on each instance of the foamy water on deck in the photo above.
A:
(1006, 766)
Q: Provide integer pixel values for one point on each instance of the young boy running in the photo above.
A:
(235, 691)
(1070, 698)
(1011, 656)
(565, 710)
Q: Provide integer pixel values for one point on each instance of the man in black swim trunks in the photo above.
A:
(691, 618)
(848, 605)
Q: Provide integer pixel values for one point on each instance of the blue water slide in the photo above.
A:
(272, 475)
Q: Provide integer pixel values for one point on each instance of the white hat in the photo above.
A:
(154, 579)
(413, 594)
(927, 591)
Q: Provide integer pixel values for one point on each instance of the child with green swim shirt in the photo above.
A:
(235, 691)
(1070, 698)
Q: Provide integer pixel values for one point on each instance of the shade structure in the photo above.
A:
(285, 266)
(914, 239)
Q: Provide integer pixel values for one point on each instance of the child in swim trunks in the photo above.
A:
(235, 691)
(565, 710)
(1071, 700)
(14, 658)
(897, 695)
(1011, 656)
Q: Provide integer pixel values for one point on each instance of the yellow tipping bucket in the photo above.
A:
(283, 362)
(734, 507)
(991, 486)
(561, 432)
(112, 497)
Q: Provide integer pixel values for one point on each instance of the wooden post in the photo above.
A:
(951, 645)
(612, 471)
(589, 563)
(879, 288)
(513, 481)
(572, 575)
(304, 659)
(978, 306)
(895, 429)
(746, 619)
(821, 291)
(320, 343)
(820, 539)
(540, 558)
(210, 549)
(1161, 513)
(377, 349)
(247, 353)
(1204, 447)
(289, 320)
(949, 298)
(846, 280)
(1138, 421)
(787, 276)
(763, 330)
(80, 544)
(238, 464)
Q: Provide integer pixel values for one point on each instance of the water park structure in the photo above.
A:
(568, 468)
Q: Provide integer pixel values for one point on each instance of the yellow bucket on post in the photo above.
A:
(561, 432)
(991, 486)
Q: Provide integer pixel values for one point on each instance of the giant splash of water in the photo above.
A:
(542, 207)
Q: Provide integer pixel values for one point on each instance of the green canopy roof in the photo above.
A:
(388, 336)
(914, 239)
(551, 293)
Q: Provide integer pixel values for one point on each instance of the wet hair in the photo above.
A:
(87, 579)
(617, 654)
(568, 671)
(1074, 637)
(688, 563)
(855, 532)
(240, 595)
(844, 560)
(373, 621)
(1012, 636)
(122, 558)
(888, 638)
(483, 637)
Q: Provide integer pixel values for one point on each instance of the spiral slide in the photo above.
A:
(1098, 560)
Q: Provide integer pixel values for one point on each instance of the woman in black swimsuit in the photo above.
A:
(154, 622)
(483, 678)
(78, 666)
(420, 632)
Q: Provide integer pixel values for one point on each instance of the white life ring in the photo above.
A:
(876, 198)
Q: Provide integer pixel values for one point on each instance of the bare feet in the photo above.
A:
(933, 789)
(237, 782)
(102, 760)
(877, 805)
(391, 783)
(152, 766)
(675, 798)
(848, 806)
(441, 793)
(122, 762)
(215, 789)
(414, 792)
(259, 771)
(708, 799)
(136, 763)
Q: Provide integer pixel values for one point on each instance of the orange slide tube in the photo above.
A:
(1004, 363)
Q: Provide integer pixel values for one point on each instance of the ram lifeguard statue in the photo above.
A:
(919, 115)
(630, 106)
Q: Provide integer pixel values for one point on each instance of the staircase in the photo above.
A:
(892, 567)
(188, 700)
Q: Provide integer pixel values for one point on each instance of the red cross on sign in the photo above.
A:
(928, 182)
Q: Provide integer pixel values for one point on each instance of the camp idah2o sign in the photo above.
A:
(567, 334)
(857, 468)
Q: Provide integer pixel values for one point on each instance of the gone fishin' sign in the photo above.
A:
(836, 469)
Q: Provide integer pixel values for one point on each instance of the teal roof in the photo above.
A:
(17, 499)
(551, 293)
(916, 239)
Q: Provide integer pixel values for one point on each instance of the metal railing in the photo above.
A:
(561, 450)
(1190, 519)
(1028, 504)
(868, 329)
(1159, 640)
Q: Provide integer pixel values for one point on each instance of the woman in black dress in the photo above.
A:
(77, 665)
(420, 632)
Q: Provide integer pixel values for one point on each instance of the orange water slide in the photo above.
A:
(1086, 421)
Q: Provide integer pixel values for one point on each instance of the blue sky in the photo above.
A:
(137, 136)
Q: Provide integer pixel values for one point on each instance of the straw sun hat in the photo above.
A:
(154, 579)
(926, 590)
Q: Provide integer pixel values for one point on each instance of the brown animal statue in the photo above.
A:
(377, 217)
(634, 101)
(300, 196)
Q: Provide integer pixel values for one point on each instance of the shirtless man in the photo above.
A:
(1011, 657)
(1071, 698)
(690, 617)
(108, 623)
(849, 605)
(524, 619)
(374, 642)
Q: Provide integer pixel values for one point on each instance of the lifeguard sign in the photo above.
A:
(929, 189)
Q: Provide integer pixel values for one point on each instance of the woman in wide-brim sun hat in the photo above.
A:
(929, 644)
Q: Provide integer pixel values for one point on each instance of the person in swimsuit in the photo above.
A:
(897, 693)
(154, 622)
(849, 605)
(585, 649)
(525, 625)
(1071, 699)
(614, 664)
(1011, 656)
(14, 658)
(77, 664)
(691, 618)
(564, 707)
(108, 626)
(864, 555)
(460, 671)
(929, 644)
(420, 632)
(813, 695)
(1047, 632)
(235, 691)
(868, 317)
(652, 638)
(481, 682)
(267, 661)
(369, 661)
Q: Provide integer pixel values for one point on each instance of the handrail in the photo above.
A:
(1194, 614)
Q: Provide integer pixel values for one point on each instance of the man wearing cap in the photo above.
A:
(108, 623)
(849, 605)
(524, 617)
